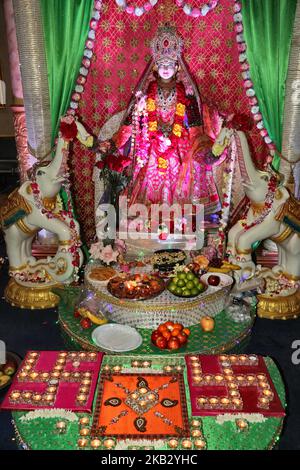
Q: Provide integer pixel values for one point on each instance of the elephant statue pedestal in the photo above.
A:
(30, 297)
(281, 307)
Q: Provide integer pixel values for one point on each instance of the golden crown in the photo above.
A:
(166, 45)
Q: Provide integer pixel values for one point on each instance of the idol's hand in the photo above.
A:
(141, 102)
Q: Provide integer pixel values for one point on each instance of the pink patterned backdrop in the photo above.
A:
(122, 53)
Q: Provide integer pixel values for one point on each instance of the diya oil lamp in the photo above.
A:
(23, 375)
(197, 379)
(223, 358)
(146, 364)
(82, 355)
(168, 368)
(225, 401)
(196, 433)
(251, 378)
(83, 389)
(76, 364)
(66, 375)
(58, 367)
(151, 397)
(135, 363)
(55, 374)
(86, 381)
(27, 367)
(227, 371)
(143, 390)
(262, 377)
(187, 444)
(51, 389)
(95, 443)
(106, 368)
(87, 374)
(268, 394)
(109, 443)
(33, 354)
(61, 427)
(30, 361)
(37, 397)
(81, 398)
(15, 395)
(237, 402)
(34, 375)
(213, 401)
(92, 355)
(83, 442)
(84, 432)
(45, 375)
(179, 368)
(233, 358)
(173, 443)
(196, 423)
(117, 368)
(49, 397)
(63, 354)
(242, 424)
(243, 358)
(26, 395)
(84, 420)
(61, 361)
(219, 378)
(200, 443)
(201, 401)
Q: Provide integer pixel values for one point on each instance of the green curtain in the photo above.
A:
(66, 24)
(268, 28)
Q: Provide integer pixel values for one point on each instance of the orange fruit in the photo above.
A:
(166, 334)
(162, 328)
(179, 326)
(169, 325)
(175, 332)
(186, 331)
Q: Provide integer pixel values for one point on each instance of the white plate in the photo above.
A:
(117, 338)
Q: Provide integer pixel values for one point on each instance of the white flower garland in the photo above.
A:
(54, 413)
(195, 12)
(136, 11)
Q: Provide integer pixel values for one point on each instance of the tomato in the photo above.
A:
(169, 325)
(162, 328)
(182, 337)
(166, 334)
(76, 314)
(155, 335)
(173, 343)
(161, 342)
(186, 331)
(175, 332)
(85, 323)
(179, 326)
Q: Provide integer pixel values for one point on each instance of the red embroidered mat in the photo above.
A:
(231, 384)
(55, 379)
(148, 405)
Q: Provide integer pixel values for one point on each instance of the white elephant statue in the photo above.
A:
(32, 207)
(272, 215)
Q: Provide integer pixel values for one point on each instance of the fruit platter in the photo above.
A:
(8, 370)
(136, 286)
(186, 284)
(170, 336)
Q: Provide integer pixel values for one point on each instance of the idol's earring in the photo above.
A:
(155, 68)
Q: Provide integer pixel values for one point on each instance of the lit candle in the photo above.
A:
(208, 378)
(173, 443)
(87, 374)
(233, 393)
(187, 444)
(201, 400)
(197, 372)
(86, 381)
(84, 421)
(232, 385)
(49, 397)
(83, 389)
(45, 375)
(263, 402)
(135, 363)
(251, 378)
(213, 401)
(84, 432)
(263, 385)
(268, 393)
(37, 397)
(179, 368)
(55, 374)
(76, 364)
(196, 423)
(227, 371)
(23, 375)
(243, 358)
(143, 403)
(95, 443)
(240, 378)
(61, 427)
(233, 358)
(63, 354)
(117, 368)
(200, 443)
(143, 390)
(34, 375)
(28, 367)
(27, 395)
(82, 442)
(61, 361)
(51, 389)
(82, 355)
(134, 395)
(66, 375)
(33, 354)
(106, 368)
(15, 395)
(109, 443)
(219, 378)
(242, 424)
(168, 369)
(30, 361)
(225, 401)
(223, 358)
(58, 367)
(237, 402)
(197, 379)
(196, 433)
(146, 364)
(151, 397)
(81, 398)
(262, 377)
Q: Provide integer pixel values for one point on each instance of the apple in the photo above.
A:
(161, 342)
(182, 338)
(207, 323)
(155, 335)
(173, 343)
(213, 280)
(85, 323)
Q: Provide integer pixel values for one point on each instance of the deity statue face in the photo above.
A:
(166, 70)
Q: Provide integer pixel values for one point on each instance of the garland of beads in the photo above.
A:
(196, 12)
(248, 84)
(136, 11)
(86, 60)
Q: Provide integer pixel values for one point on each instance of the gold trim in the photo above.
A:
(19, 268)
(25, 229)
(257, 207)
(279, 307)
(38, 297)
(65, 242)
(283, 236)
(244, 252)
(49, 203)
(291, 277)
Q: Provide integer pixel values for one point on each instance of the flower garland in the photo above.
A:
(86, 60)
(248, 84)
(67, 133)
(196, 12)
(136, 11)
(178, 127)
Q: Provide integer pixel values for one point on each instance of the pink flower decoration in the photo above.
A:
(108, 255)
(130, 10)
(95, 249)
(195, 12)
(120, 245)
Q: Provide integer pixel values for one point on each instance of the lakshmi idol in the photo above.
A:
(164, 136)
